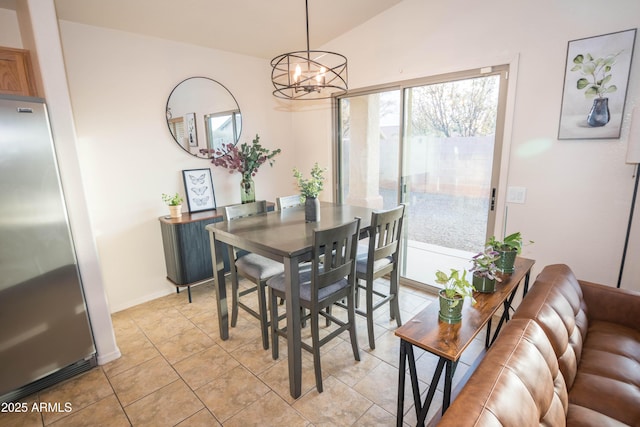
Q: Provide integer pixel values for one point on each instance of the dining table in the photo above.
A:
(286, 237)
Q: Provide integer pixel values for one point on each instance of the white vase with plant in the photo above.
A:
(309, 190)
(175, 204)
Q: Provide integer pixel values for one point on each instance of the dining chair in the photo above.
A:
(253, 267)
(378, 258)
(322, 283)
(286, 202)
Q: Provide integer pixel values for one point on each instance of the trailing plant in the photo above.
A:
(455, 284)
(172, 200)
(310, 188)
(484, 264)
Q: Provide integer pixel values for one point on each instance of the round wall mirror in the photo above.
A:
(203, 117)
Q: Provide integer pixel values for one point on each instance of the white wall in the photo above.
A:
(119, 85)
(578, 192)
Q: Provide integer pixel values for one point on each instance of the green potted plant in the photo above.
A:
(309, 191)
(175, 204)
(456, 288)
(485, 271)
(508, 249)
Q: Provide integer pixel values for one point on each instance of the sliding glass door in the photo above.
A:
(433, 145)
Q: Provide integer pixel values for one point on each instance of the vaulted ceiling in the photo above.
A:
(261, 28)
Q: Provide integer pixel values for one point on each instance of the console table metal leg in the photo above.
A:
(401, 382)
(432, 391)
(448, 381)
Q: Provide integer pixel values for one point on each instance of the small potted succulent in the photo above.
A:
(456, 288)
(508, 249)
(309, 191)
(175, 204)
(485, 270)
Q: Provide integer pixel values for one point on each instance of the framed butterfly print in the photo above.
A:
(198, 187)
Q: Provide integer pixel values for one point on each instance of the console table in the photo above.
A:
(187, 251)
(448, 341)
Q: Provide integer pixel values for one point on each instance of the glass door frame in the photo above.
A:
(501, 148)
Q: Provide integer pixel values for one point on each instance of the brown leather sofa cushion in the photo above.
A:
(555, 302)
(598, 357)
(517, 384)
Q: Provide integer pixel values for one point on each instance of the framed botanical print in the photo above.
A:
(198, 187)
(595, 86)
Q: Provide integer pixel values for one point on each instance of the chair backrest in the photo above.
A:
(385, 234)
(288, 201)
(334, 255)
(247, 209)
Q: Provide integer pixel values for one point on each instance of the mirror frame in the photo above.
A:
(196, 126)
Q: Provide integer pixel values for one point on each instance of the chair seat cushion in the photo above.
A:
(278, 283)
(361, 260)
(258, 267)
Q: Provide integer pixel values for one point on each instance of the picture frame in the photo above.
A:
(198, 187)
(595, 86)
(191, 129)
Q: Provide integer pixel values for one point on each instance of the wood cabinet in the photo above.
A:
(16, 74)
(187, 250)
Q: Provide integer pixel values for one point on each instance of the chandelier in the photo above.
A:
(309, 74)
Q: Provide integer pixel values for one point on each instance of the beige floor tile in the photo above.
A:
(381, 387)
(337, 405)
(183, 345)
(255, 358)
(387, 348)
(21, 414)
(79, 392)
(231, 393)
(376, 417)
(277, 378)
(106, 412)
(136, 349)
(269, 410)
(202, 418)
(174, 363)
(167, 326)
(206, 366)
(207, 322)
(142, 380)
(165, 407)
(341, 364)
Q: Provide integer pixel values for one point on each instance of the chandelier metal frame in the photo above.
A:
(309, 74)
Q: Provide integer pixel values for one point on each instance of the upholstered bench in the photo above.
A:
(594, 333)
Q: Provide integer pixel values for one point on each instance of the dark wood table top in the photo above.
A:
(285, 233)
(428, 332)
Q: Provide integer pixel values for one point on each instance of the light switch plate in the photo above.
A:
(516, 194)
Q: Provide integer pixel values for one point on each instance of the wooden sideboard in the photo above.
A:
(187, 251)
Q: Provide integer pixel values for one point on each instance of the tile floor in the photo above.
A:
(175, 371)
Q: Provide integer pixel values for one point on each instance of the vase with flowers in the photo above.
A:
(246, 159)
(309, 191)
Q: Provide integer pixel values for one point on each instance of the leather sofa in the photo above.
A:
(569, 356)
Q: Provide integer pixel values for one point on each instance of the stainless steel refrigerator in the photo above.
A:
(45, 334)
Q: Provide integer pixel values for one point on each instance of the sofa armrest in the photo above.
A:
(621, 306)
